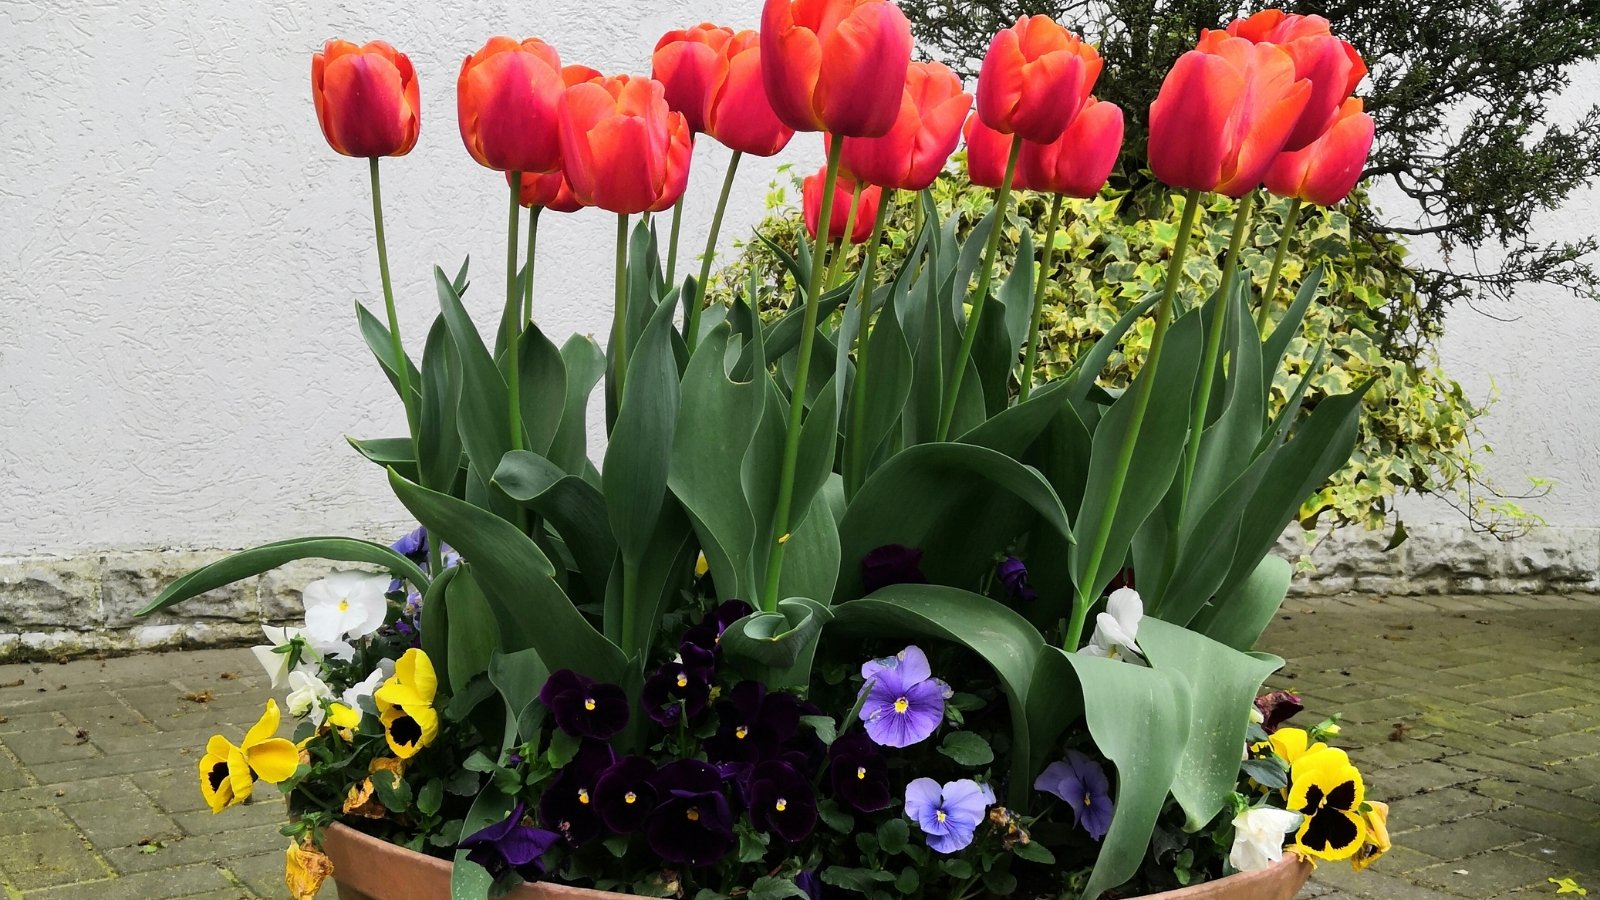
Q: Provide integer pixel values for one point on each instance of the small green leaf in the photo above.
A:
(563, 747)
(1033, 851)
(957, 868)
(908, 882)
(1267, 772)
(770, 887)
(893, 835)
(967, 749)
(824, 726)
(430, 797)
(835, 817)
(392, 790)
(859, 880)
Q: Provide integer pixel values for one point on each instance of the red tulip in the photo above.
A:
(1078, 163)
(366, 98)
(1223, 113)
(987, 153)
(866, 48)
(687, 62)
(1325, 172)
(617, 141)
(1333, 67)
(845, 192)
(680, 150)
(576, 74)
(914, 151)
(738, 114)
(550, 190)
(1034, 78)
(506, 99)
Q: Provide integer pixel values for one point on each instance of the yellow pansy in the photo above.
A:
(1292, 743)
(228, 773)
(1328, 791)
(343, 719)
(305, 868)
(1377, 844)
(405, 704)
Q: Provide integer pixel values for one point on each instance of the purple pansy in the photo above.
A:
(626, 793)
(948, 814)
(753, 724)
(583, 707)
(1081, 782)
(782, 801)
(905, 703)
(707, 634)
(567, 805)
(891, 564)
(858, 773)
(692, 825)
(511, 844)
(807, 880)
(1014, 576)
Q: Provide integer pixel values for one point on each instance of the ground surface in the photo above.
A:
(1477, 718)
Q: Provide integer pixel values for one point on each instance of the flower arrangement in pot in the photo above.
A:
(852, 604)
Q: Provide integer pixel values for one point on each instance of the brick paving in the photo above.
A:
(1475, 717)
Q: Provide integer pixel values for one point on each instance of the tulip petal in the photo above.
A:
(1190, 121)
(631, 163)
(738, 113)
(859, 91)
(1000, 82)
(791, 61)
(507, 105)
(1043, 109)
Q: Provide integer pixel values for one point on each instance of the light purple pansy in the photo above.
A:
(949, 815)
(905, 703)
(1081, 782)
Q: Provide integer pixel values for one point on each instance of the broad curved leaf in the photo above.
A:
(248, 563)
(575, 508)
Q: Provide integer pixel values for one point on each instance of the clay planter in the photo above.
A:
(366, 868)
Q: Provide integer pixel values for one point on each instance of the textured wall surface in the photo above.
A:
(180, 254)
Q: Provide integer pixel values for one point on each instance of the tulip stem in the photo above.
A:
(533, 245)
(512, 315)
(1142, 389)
(1002, 197)
(1290, 220)
(856, 464)
(672, 241)
(1031, 358)
(843, 249)
(1213, 354)
(802, 375)
(691, 325)
(619, 315)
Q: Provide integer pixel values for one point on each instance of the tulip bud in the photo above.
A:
(617, 141)
(687, 62)
(738, 114)
(866, 45)
(988, 151)
(1224, 111)
(845, 192)
(1333, 67)
(366, 98)
(549, 190)
(914, 151)
(506, 98)
(1078, 163)
(1034, 79)
(1325, 172)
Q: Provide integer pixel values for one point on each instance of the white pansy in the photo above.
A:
(1116, 631)
(306, 693)
(1258, 837)
(353, 694)
(345, 604)
(276, 664)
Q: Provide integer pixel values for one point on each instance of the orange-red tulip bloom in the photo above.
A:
(366, 98)
(987, 153)
(738, 113)
(550, 190)
(914, 151)
(617, 142)
(1325, 172)
(845, 192)
(1333, 67)
(680, 151)
(1078, 163)
(1223, 113)
(835, 65)
(1034, 78)
(687, 62)
(506, 98)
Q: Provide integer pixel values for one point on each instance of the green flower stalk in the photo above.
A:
(619, 315)
(691, 324)
(511, 316)
(1031, 357)
(1290, 220)
(533, 246)
(672, 241)
(855, 451)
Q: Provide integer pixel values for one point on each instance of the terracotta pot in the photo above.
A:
(366, 868)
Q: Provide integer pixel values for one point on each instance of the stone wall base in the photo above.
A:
(79, 605)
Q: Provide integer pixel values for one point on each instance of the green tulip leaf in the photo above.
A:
(249, 563)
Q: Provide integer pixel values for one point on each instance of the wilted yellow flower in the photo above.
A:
(305, 868)
(361, 801)
(1377, 844)
(405, 704)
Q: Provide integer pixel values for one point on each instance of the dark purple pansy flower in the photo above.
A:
(905, 703)
(692, 824)
(808, 881)
(626, 793)
(675, 692)
(1277, 708)
(583, 707)
(568, 803)
(1014, 575)
(736, 775)
(414, 544)
(753, 724)
(948, 814)
(859, 774)
(707, 633)
(1081, 782)
(891, 564)
(511, 844)
(782, 801)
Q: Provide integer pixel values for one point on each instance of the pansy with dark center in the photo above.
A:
(674, 693)
(513, 843)
(626, 793)
(1081, 782)
(692, 825)
(858, 773)
(753, 724)
(1328, 791)
(583, 707)
(948, 814)
(1014, 576)
(905, 703)
(891, 564)
(567, 805)
(782, 801)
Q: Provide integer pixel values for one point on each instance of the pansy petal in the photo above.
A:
(273, 760)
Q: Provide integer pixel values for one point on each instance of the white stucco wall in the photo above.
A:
(179, 253)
